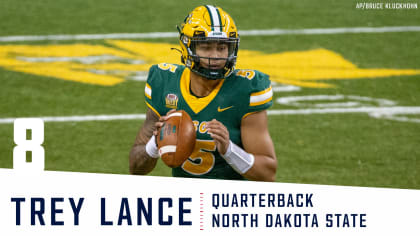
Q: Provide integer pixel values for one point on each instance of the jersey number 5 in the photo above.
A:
(202, 159)
(166, 66)
(249, 74)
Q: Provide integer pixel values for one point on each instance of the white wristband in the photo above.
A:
(239, 159)
(151, 148)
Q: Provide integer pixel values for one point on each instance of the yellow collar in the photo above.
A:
(196, 104)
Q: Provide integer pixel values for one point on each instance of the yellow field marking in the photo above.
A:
(113, 64)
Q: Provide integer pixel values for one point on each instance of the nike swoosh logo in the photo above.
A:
(223, 109)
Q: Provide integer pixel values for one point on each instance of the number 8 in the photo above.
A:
(33, 145)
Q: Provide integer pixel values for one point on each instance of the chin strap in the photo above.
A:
(239, 159)
(210, 74)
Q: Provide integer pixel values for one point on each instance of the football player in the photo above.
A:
(228, 106)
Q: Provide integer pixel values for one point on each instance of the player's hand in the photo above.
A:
(220, 134)
(162, 119)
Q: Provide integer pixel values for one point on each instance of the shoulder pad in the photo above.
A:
(158, 76)
(159, 72)
(259, 89)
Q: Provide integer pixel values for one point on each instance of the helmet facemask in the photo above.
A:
(195, 62)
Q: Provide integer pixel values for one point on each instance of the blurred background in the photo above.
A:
(346, 80)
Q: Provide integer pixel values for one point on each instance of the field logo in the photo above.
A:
(341, 104)
(121, 60)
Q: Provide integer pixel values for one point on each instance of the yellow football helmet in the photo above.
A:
(208, 24)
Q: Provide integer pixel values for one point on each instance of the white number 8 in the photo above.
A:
(33, 145)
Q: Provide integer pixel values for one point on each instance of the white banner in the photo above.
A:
(65, 203)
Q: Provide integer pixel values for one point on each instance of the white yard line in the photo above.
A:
(369, 110)
(82, 118)
(268, 32)
(373, 111)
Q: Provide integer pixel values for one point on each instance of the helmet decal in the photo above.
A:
(216, 21)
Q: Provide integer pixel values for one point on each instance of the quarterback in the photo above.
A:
(227, 105)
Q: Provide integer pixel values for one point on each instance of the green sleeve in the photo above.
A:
(151, 90)
(261, 94)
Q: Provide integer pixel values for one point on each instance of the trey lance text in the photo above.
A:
(51, 211)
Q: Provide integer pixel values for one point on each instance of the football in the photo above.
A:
(176, 139)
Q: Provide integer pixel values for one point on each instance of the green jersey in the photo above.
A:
(242, 93)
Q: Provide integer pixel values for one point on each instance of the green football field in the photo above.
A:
(346, 104)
